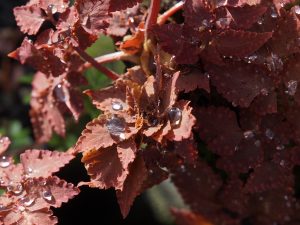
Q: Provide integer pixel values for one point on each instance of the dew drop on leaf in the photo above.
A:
(4, 162)
(21, 208)
(280, 147)
(248, 134)
(264, 92)
(269, 134)
(260, 21)
(274, 14)
(15, 187)
(47, 195)
(175, 116)
(257, 143)
(297, 9)
(52, 9)
(27, 201)
(223, 22)
(2, 208)
(291, 87)
(59, 93)
(117, 106)
(116, 127)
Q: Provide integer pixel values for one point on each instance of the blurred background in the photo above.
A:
(92, 206)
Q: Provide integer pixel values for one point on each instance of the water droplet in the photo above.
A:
(4, 162)
(117, 106)
(248, 134)
(274, 14)
(274, 63)
(182, 168)
(257, 143)
(220, 3)
(223, 22)
(236, 148)
(264, 92)
(47, 195)
(269, 134)
(282, 163)
(175, 116)
(15, 187)
(297, 9)
(52, 9)
(27, 201)
(21, 208)
(291, 87)
(2, 207)
(280, 147)
(59, 93)
(251, 58)
(29, 170)
(116, 127)
(260, 21)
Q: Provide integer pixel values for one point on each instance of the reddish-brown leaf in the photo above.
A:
(218, 127)
(93, 14)
(268, 176)
(193, 80)
(132, 186)
(198, 181)
(29, 18)
(116, 5)
(248, 155)
(134, 44)
(43, 163)
(106, 97)
(240, 43)
(240, 82)
(95, 136)
(41, 59)
(245, 16)
(197, 13)
(43, 216)
(106, 168)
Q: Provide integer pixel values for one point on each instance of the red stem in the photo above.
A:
(170, 12)
(112, 57)
(153, 14)
(112, 75)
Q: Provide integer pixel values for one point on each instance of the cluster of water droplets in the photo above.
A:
(175, 116)
(15, 187)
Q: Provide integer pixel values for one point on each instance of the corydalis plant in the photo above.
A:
(232, 65)
(30, 187)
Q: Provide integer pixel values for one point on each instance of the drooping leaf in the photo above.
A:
(132, 186)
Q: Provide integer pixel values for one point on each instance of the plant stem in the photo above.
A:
(170, 12)
(112, 57)
(152, 16)
(112, 75)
